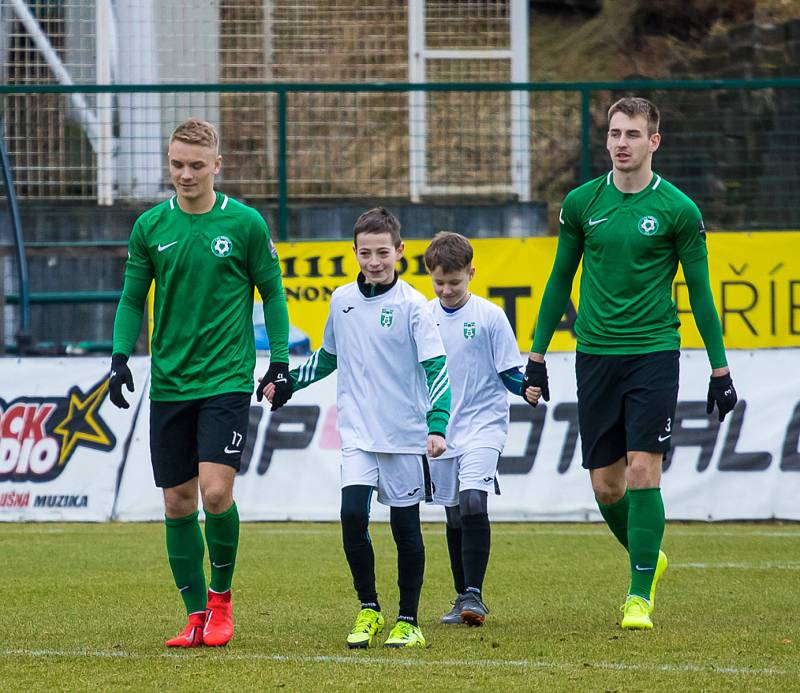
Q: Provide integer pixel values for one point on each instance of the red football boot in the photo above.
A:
(192, 635)
(218, 629)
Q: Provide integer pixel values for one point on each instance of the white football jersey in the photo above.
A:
(480, 344)
(379, 342)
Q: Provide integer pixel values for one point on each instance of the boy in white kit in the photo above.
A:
(393, 400)
(484, 361)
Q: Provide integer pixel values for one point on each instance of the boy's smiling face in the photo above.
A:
(377, 256)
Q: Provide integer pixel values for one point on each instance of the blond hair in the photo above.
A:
(196, 131)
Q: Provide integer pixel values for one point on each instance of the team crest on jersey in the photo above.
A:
(387, 317)
(470, 330)
(221, 246)
(648, 226)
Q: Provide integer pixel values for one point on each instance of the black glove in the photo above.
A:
(277, 373)
(536, 376)
(120, 373)
(721, 392)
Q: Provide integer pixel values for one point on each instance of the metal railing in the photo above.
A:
(728, 143)
(732, 145)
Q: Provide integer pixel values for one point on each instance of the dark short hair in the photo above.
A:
(378, 220)
(632, 106)
(196, 131)
(450, 251)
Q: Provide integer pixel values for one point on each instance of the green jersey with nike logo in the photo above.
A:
(631, 244)
(205, 267)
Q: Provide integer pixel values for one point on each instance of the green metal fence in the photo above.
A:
(731, 144)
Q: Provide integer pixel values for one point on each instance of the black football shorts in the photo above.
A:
(625, 403)
(185, 433)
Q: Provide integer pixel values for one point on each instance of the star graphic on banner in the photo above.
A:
(82, 425)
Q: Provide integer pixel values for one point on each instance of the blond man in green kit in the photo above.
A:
(205, 252)
(631, 228)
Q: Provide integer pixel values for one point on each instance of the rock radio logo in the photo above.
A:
(39, 435)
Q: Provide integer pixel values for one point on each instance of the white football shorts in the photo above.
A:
(475, 469)
(401, 479)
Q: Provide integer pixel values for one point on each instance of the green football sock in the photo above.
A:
(222, 537)
(645, 532)
(185, 549)
(616, 517)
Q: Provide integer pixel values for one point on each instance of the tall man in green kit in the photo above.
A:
(632, 228)
(205, 252)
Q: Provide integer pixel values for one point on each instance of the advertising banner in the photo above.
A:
(747, 467)
(755, 279)
(62, 442)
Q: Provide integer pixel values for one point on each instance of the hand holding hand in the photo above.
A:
(436, 445)
(281, 391)
(534, 382)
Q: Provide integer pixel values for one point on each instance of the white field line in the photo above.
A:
(597, 529)
(360, 661)
(601, 530)
(594, 529)
(759, 565)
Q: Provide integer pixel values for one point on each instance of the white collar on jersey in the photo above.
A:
(654, 186)
(174, 198)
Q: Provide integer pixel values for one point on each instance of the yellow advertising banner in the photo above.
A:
(755, 279)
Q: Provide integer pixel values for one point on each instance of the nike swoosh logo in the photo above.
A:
(162, 248)
(595, 222)
(348, 309)
(230, 451)
(661, 439)
(642, 570)
(183, 588)
(221, 565)
(561, 215)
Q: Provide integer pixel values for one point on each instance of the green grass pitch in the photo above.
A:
(88, 607)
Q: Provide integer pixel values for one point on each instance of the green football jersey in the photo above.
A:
(205, 267)
(631, 244)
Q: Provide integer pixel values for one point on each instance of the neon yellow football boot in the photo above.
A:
(661, 566)
(636, 614)
(369, 624)
(405, 634)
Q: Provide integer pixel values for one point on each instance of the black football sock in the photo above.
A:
(357, 543)
(407, 535)
(454, 533)
(476, 541)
